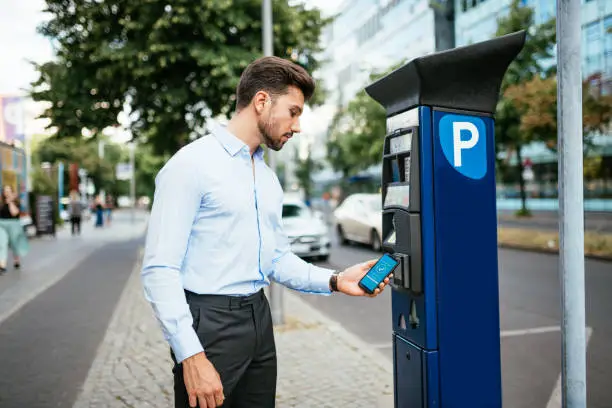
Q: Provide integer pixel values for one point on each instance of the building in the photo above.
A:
(368, 36)
(476, 20)
(371, 36)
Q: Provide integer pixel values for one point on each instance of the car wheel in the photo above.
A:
(341, 238)
(324, 258)
(375, 241)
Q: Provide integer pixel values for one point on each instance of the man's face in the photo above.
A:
(280, 118)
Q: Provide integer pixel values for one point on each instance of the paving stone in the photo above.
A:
(320, 364)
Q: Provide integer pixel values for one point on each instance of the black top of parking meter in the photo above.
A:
(461, 78)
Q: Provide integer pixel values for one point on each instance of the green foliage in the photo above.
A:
(527, 109)
(530, 63)
(305, 168)
(85, 154)
(356, 134)
(43, 183)
(147, 166)
(176, 63)
(100, 170)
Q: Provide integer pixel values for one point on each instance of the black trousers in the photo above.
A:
(237, 336)
(75, 224)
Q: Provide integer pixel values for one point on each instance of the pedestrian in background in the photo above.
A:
(110, 205)
(12, 234)
(75, 209)
(99, 211)
(215, 240)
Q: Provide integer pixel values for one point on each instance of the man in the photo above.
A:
(215, 239)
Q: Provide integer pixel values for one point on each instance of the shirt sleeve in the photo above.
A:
(292, 271)
(176, 202)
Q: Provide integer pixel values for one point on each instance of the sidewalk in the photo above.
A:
(319, 363)
(51, 258)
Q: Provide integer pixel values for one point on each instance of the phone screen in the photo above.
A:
(381, 269)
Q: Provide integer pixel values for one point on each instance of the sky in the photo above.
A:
(19, 43)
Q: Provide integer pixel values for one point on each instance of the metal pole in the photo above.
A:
(60, 187)
(276, 292)
(101, 192)
(571, 210)
(133, 180)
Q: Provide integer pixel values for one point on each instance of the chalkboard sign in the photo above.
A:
(44, 215)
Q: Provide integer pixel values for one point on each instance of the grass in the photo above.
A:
(595, 244)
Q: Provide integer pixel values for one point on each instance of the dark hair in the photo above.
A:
(273, 75)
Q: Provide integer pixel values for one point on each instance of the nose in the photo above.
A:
(295, 128)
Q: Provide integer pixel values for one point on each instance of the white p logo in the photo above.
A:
(458, 144)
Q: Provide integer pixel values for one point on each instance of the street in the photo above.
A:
(530, 308)
(549, 221)
(68, 290)
(65, 335)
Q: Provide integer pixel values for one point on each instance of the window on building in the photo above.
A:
(470, 4)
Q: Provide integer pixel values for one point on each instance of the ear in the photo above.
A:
(260, 100)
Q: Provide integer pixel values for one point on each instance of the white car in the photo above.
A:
(359, 219)
(307, 233)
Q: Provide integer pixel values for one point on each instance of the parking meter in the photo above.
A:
(440, 222)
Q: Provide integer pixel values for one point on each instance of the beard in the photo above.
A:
(266, 128)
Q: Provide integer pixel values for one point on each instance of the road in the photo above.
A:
(548, 220)
(529, 299)
(54, 312)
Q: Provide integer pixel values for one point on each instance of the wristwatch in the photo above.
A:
(333, 281)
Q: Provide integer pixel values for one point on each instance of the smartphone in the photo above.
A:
(381, 269)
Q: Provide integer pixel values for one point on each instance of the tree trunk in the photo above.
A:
(519, 158)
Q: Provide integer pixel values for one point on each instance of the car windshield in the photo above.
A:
(292, 210)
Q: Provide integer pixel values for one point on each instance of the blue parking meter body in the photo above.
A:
(440, 222)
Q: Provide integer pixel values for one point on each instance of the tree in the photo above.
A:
(536, 102)
(75, 102)
(535, 60)
(85, 154)
(305, 168)
(357, 133)
(596, 105)
(147, 166)
(176, 63)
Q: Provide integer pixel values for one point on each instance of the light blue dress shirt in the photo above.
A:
(216, 228)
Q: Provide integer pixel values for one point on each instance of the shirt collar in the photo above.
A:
(230, 142)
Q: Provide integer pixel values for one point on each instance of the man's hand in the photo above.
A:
(349, 279)
(202, 381)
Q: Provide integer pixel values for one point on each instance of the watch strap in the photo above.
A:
(333, 281)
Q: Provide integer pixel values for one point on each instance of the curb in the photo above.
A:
(108, 345)
(518, 247)
(308, 311)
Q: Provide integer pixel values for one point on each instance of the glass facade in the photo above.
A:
(371, 36)
(476, 20)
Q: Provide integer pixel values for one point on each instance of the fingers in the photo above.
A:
(210, 401)
(193, 400)
(219, 397)
(381, 287)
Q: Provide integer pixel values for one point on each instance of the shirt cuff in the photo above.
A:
(185, 344)
(319, 279)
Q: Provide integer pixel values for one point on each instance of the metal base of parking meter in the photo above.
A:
(439, 220)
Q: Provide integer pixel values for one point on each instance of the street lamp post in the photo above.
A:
(571, 205)
(276, 293)
(133, 179)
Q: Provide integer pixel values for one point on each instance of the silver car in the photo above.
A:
(307, 233)
(359, 219)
